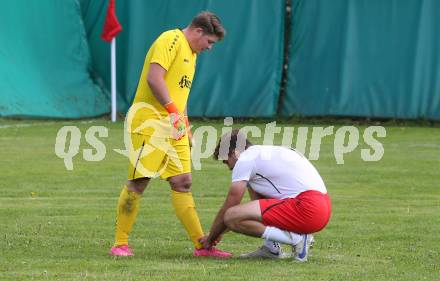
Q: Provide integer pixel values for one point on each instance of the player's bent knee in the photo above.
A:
(138, 185)
(184, 186)
(181, 183)
(181, 188)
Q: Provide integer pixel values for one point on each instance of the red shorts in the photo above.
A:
(309, 212)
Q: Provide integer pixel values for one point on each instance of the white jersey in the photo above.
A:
(276, 172)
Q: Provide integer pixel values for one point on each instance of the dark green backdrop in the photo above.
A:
(239, 77)
(45, 61)
(365, 58)
(368, 58)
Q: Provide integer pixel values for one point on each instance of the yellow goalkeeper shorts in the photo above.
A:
(154, 156)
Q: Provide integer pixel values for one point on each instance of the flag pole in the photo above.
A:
(110, 30)
(113, 77)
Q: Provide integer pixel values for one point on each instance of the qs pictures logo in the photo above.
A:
(68, 140)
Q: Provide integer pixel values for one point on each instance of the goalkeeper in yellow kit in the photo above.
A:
(158, 129)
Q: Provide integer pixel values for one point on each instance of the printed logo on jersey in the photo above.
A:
(185, 82)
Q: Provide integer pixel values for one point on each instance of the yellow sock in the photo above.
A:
(185, 208)
(128, 206)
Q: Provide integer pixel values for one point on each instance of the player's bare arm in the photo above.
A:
(234, 197)
(156, 81)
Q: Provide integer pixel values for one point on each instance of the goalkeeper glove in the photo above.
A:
(177, 121)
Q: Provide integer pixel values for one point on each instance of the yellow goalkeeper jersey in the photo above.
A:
(172, 51)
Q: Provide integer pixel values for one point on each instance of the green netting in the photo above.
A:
(239, 77)
(368, 58)
(45, 60)
(347, 58)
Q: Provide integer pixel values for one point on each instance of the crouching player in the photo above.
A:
(289, 198)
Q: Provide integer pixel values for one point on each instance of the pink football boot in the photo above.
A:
(121, 251)
(211, 252)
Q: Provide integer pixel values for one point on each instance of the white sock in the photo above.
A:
(282, 236)
(274, 247)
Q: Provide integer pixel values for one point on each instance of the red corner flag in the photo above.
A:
(111, 25)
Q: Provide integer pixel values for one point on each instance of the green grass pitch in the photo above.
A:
(57, 224)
